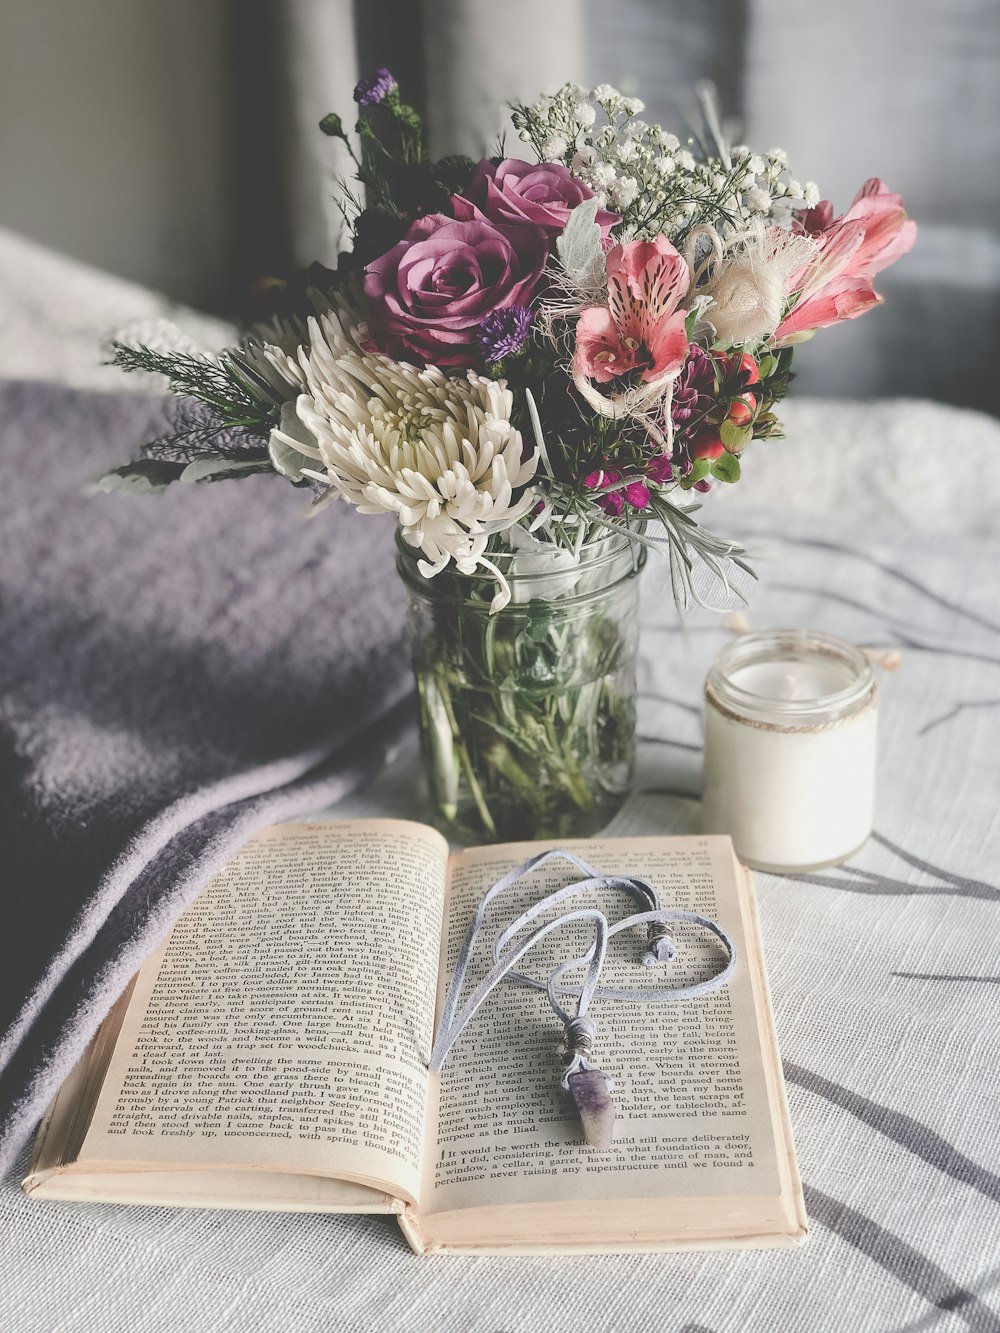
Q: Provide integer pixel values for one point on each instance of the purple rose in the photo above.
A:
(430, 293)
(515, 192)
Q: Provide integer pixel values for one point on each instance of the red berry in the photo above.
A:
(749, 367)
(730, 362)
(707, 443)
(741, 409)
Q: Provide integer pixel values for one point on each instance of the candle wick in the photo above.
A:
(788, 690)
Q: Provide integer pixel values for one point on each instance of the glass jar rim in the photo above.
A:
(604, 551)
(806, 644)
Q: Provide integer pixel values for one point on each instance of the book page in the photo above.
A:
(286, 1022)
(692, 1111)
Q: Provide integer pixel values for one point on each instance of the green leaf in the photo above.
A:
(453, 172)
(766, 365)
(333, 125)
(792, 339)
(735, 438)
(214, 467)
(726, 468)
(700, 469)
(146, 476)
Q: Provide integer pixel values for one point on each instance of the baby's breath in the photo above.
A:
(659, 185)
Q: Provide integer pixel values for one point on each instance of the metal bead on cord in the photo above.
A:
(660, 946)
(577, 1044)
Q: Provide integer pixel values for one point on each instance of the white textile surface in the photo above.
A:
(59, 317)
(885, 972)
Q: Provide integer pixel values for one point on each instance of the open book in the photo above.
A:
(273, 1054)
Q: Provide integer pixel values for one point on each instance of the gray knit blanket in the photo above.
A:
(176, 671)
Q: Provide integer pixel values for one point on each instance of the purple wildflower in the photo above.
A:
(504, 332)
(694, 391)
(660, 469)
(375, 88)
(635, 493)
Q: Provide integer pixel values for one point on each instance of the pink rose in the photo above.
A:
(429, 294)
(541, 193)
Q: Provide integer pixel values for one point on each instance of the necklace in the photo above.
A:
(590, 1088)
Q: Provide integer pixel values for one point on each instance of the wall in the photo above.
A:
(115, 129)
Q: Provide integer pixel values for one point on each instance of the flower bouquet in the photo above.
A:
(538, 367)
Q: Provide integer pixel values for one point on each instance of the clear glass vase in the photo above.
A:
(527, 716)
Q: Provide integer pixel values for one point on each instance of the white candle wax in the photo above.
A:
(790, 727)
(788, 678)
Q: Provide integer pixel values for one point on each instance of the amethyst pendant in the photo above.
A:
(595, 1106)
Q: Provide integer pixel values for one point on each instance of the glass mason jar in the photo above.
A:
(527, 716)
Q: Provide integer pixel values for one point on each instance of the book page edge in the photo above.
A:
(792, 1190)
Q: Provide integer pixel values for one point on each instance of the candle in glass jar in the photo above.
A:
(790, 725)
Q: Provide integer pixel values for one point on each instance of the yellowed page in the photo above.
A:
(693, 1117)
(286, 1022)
(55, 1173)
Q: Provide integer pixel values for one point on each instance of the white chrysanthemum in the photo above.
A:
(272, 351)
(438, 451)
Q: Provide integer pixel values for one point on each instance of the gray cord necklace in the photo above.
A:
(590, 1088)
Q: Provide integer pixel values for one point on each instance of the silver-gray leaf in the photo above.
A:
(213, 467)
(579, 246)
(144, 476)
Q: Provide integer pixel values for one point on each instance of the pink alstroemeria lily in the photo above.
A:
(641, 328)
(836, 283)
